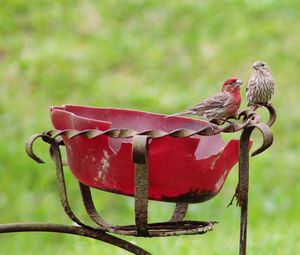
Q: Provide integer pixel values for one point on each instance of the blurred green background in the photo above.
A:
(160, 56)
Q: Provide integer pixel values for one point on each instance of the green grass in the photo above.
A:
(159, 56)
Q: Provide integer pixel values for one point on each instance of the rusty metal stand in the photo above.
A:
(243, 185)
(176, 225)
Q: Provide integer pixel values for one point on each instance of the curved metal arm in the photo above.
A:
(267, 137)
(179, 212)
(73, 230)
(272, 115)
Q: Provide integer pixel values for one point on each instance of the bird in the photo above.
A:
(261, 85)
(221, 105)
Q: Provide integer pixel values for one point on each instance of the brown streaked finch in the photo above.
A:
(220, 106)
(261, 85)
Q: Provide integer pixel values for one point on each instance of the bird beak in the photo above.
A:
(255, 67)
(238, 83)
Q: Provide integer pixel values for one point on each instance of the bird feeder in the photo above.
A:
(148, 157)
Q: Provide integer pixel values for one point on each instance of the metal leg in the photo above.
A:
(179, 212)
(90, 208)
(61, 183)
(140, 158)
(243, 186)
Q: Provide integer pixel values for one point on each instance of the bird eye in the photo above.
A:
(262, 64)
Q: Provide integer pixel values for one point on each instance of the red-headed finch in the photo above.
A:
(220, 106)
(261, 85)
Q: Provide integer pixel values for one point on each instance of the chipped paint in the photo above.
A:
(70, 149)
(221, 181)
(212, 167)
(103, 167)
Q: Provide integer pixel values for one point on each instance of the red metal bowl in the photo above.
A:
(180, 169)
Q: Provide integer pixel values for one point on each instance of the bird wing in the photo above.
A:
(208, 107)
(219, 100)
(250, 83)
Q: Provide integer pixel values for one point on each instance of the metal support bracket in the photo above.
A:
(140, 159)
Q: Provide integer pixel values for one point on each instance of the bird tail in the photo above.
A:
(179, 114)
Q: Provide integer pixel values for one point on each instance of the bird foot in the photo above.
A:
(229, 122)
(235, 116)
(220, 122)
(216, 121)
(254, 107)
(211, 125)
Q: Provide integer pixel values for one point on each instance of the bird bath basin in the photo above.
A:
(190, 169)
